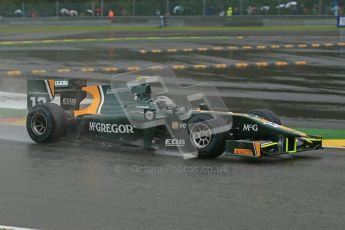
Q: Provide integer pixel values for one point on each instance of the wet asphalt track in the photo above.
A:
(78, 185)
(92, 186)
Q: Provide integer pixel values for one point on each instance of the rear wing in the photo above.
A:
(68, 92)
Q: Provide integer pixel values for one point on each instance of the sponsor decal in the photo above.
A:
(38, 93)
(175, 142)
(178, 125)
(142, 106)
(110, 128)
(250, 127)
(69, 101)
(248, 152)
(272, 124)
(150, 115)
(117, 90)
(61, 83)
(174, 125)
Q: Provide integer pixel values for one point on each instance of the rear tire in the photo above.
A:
(208, 145)
(46, 123)
(267, 115)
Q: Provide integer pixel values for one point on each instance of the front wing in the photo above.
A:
(288, 145)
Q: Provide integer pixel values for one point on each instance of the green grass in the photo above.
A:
(138, 37)
(325, 133)
(113, 39)
(74, 28)
(5, 113)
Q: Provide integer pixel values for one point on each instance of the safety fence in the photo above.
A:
(75, 8)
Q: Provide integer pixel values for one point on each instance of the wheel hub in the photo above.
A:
(39, 124)
(200, 135)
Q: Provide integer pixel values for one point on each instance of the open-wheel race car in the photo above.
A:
(154, 111)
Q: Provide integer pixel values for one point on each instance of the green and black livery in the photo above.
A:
(131, 114)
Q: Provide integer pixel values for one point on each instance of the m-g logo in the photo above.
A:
(110, 128)
(175, 142)
(250, 127)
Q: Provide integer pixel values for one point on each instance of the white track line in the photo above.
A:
(14, 228)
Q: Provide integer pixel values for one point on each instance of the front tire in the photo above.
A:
(46, 123)
(208, 144)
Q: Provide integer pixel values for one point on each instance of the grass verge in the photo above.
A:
(7, 113)
(325, 133)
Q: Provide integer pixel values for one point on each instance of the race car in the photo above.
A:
(129, 112)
